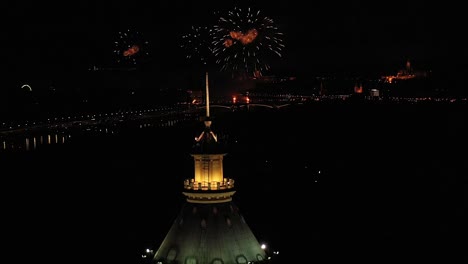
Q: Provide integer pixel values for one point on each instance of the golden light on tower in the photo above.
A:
(208, 162)
(209, 227)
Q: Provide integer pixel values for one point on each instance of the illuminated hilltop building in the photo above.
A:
(358, 89)
(209, 229)
(405, 74)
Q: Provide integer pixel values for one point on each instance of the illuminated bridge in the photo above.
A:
(234, 107)
(258, 101)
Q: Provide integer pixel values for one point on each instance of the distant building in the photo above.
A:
(374, 93)
(358, 88)
(405, 74)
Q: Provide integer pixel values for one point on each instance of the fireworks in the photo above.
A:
(245, 40)
(196, 44)
(130, 47)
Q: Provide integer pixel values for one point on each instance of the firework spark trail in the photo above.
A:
(246, 40)
(196, 44)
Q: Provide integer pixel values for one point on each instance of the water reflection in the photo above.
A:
(30, 139)
(30, 143)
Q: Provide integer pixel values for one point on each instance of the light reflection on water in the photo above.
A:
(30, 141)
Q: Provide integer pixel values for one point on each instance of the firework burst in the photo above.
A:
(130, 48)
(244, 40)
(196, 45)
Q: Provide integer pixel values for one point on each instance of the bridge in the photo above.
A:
(238, 106)
(166, 115)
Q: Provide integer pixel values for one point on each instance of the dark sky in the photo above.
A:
(319, 35)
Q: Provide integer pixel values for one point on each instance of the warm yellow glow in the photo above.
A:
(191, 184)
(208, 168)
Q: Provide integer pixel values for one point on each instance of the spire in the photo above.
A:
(207, 96)
(209, 228)
(208, 156)
(207, 120)
(207, 141)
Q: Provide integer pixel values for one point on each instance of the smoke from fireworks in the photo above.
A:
(244, 40)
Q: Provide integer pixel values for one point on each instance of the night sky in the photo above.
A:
(320, 36)
(61, 41)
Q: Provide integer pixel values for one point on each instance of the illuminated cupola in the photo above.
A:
(209, 184)
(209, 229)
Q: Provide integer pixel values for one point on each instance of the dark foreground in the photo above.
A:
(390, 188)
